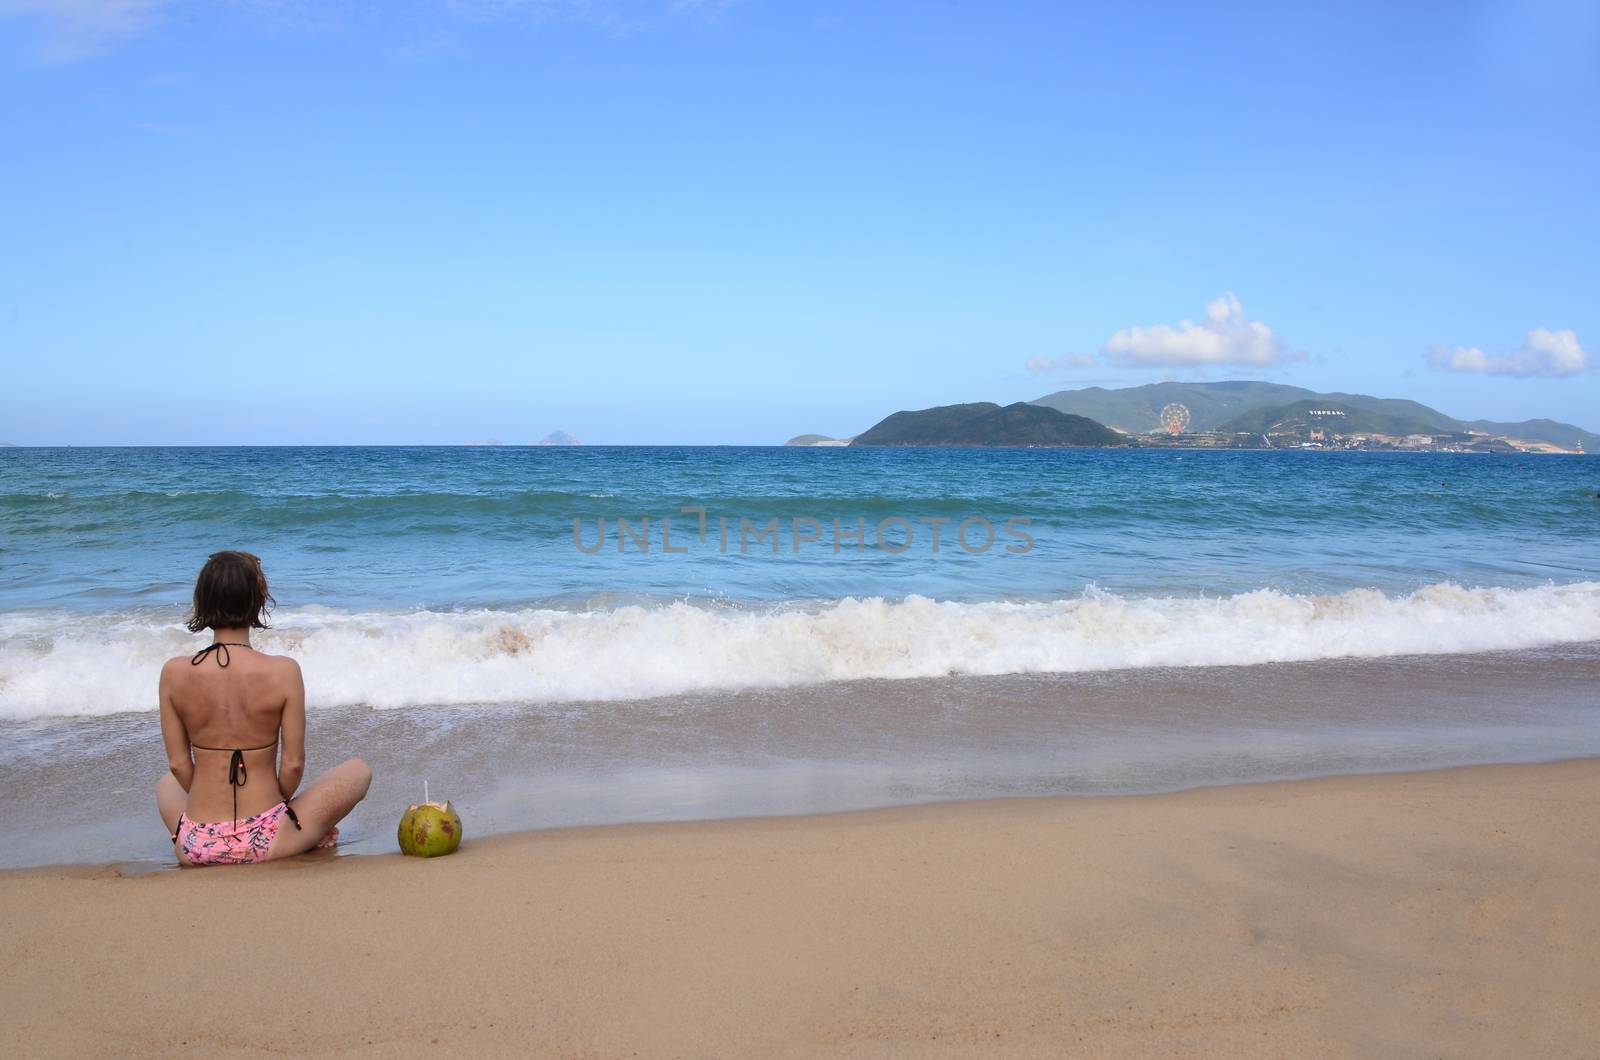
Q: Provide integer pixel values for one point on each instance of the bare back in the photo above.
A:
(213, 709)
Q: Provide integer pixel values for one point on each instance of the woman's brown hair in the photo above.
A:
(231, 592)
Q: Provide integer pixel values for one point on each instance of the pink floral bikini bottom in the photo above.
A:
(236, 842)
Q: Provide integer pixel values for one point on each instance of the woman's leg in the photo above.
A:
(170, 800)
(323, 804)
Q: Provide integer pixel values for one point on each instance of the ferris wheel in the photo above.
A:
(1175, 418)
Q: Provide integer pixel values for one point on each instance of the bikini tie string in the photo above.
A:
(221, 648)
(238, 776)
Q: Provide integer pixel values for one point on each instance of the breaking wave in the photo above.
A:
(61, 664)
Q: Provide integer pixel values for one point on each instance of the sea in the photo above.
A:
(558, 636)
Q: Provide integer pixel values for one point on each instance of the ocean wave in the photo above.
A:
(64, 665)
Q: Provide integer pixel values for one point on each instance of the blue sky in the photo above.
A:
(646, 221)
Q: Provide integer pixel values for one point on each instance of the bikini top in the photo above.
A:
(237, 774)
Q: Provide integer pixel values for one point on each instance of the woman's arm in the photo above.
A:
(174, 735)
(292, 756)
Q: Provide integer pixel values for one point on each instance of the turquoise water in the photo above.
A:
(444, 528)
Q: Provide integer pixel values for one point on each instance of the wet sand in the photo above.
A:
(843, 746)
(1453, 913)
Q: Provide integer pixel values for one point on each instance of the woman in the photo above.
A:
(223, 710)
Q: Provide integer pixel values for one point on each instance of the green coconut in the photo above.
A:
(430, 830)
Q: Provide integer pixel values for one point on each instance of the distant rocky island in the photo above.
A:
(984, 423)
(1234, 414)
(558, 438)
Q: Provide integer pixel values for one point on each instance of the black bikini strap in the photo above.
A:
(221, 648)
(238, 776)
(290, 811)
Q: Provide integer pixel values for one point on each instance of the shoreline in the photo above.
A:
(136, 867)
(847, 745)
(1445, 912)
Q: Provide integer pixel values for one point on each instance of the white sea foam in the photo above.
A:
(54, 665)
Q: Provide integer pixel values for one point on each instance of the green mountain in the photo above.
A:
(984, 423)
(1337, 416)
(1213, 405)
(1563, 434)
(809, 439)
(1138, 408)
(1400, 409)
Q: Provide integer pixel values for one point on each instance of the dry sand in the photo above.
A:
(1440, 914)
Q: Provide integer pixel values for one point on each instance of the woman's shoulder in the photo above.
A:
(283, 664)
(277, 664)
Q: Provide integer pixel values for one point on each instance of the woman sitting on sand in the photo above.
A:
(222, 712)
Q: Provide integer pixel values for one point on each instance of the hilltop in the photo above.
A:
(984, 423)
(1336, 416)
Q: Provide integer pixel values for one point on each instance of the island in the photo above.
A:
(984, 423)
(1250, 414)
(1230, 414)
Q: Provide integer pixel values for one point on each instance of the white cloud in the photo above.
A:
(1543, 353)
(78, 28)
(1041, 365)
(1224, 337)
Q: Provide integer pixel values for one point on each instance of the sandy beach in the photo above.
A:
(901, 530)
(1452, 913)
